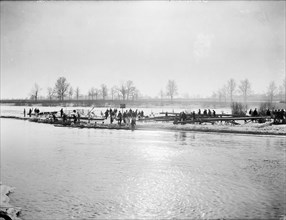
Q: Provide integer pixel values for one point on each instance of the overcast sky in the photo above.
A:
(199, 44)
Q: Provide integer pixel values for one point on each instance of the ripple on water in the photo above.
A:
(119, 174)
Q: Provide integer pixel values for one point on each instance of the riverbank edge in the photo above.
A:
(196, 128)
(215, 130)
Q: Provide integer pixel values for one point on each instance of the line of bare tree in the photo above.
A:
(125, 91)
(62, 89)
(244, 89)
(128, 91)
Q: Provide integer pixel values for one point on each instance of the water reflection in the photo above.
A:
(181, 137)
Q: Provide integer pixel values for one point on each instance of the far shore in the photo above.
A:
(141, 103)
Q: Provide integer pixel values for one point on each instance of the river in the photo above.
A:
(70, 173)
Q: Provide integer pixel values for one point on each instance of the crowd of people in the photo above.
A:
(125, 117)
(193, 115)
(278, 115)
(110, 116)
(129, 116)
(30, 112)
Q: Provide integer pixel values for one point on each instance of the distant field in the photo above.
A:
(179, 103)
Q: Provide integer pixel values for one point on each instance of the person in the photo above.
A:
(133, 115)
(184, 116)
(209, 112)
(128, 117)
(205, 112)
(250, 112)
(54, 118)
(62, 113)
(24, 113)
(119, 118)
(124, 117)
(268, 113)
(199, 113)
(214, 113)
(30, 112)
(133, 122)
(36, 111)
(106, 114)
(64, 117)
(111, 113)
(282, 113)
(74, 116)
(255, 113)
(194, 115)
(78, 116)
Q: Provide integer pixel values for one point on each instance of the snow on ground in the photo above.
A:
(249, 128)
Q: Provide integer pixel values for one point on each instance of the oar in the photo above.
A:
(90, 110)
(88, 114)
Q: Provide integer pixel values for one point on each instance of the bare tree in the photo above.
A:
(61, 88)
(161, 93)
(223, 91)
(91, 93)
(231, 86)
(220, 95)
(172, 89)
(245, 89)
(271, 92)
(71, 92)
(113, 91)
(96, 93)
(281, 92)
(51, 93)
(130, 88)
(134, 94)
(104, 91)
(122, 91)
(77, 93)
(35, 91)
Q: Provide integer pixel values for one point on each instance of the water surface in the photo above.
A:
(66, 173)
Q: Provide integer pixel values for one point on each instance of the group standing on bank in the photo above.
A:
(128, 117)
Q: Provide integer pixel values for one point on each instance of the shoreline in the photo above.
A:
(251, 128)
(218, 129)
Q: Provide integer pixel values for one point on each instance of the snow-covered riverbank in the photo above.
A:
(267, 128)
(249, 128)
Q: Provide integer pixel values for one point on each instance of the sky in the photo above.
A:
(199, 44)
